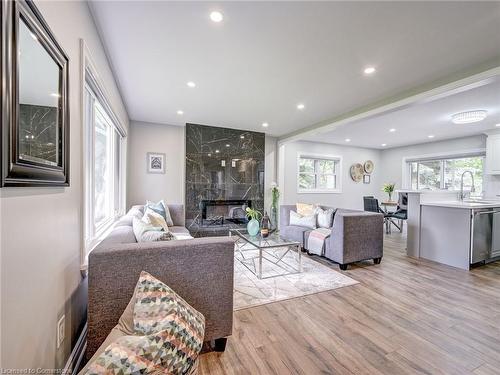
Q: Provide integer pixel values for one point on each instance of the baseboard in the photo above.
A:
(75, 359)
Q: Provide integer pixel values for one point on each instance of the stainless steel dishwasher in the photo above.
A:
(485, 234)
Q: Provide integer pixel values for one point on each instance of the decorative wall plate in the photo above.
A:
(357, 172)
(368, 166)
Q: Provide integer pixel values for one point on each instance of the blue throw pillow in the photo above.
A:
(162, 209)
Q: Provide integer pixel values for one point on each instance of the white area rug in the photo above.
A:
(250, 291)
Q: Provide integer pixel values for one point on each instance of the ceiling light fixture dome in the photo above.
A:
(216, 16)
(369, 70)
(468, 117)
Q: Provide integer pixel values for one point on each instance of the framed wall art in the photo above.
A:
(155, 162)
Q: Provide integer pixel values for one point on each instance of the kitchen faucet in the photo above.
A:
(463, 195)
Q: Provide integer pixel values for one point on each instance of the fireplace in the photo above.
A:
(219, 212)
(224, 175)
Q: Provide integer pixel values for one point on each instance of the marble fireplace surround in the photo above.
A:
(222, 165)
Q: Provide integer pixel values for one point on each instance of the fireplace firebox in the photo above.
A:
(218, 212)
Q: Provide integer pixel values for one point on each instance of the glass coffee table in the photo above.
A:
(278, 253)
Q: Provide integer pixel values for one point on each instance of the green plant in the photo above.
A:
(388, 188)
(275, 193)
(253, 214)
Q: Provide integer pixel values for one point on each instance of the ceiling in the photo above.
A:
(417, 122)
(266, 57)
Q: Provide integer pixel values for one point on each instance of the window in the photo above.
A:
(446, 174)
(318, 174)
(104, 179)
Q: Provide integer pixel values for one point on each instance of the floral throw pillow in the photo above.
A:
(169, 335)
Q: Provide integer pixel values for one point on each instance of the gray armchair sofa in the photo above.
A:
(199, 270)
(356, 235)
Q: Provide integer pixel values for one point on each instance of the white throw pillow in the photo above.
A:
(325, 217)
(308, 221)
(155, 219)
(147, 233)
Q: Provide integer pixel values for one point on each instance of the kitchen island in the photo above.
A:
(460, 233)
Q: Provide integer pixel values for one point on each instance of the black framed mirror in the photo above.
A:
(35, 102)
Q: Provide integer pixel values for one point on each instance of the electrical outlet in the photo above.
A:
(61, 330)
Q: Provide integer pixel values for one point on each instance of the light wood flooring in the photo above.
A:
(406, 316)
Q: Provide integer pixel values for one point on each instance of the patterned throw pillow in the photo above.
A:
(325, 217)
(161, 208)
(308, 221)
(172, 330)
(147, 233)
(155, 219)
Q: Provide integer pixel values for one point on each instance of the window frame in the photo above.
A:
(442, 158)
(92, 84)
(318, 157)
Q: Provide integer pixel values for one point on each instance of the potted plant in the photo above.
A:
(253, 225)
(389, 189)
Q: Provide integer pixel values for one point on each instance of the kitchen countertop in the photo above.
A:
(464, 205)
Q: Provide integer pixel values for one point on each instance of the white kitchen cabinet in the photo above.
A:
(493, 154)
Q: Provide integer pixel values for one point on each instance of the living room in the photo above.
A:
(315, 186)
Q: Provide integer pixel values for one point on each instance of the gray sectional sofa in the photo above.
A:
(199, 270)
(356, 235)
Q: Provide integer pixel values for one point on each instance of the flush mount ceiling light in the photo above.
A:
(348, 140)
(179, 112)
(216, 16)
(300, 106)
(191, 84)
(468, 117)
(369, 70)
(392, 130)
(265, 124)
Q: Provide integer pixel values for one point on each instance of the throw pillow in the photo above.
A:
(308, 221)
(146, 232)
(155, 219)
(168, 334)
(305, 209)
(325, 217)
(161, 208)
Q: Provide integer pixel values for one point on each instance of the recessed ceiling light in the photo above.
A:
(392, 130)
(497, 125)
(227, 145)
(300, 106)
(369, 70)
(217, 151)
(265, 124)
(242, 136)
(209, 154)
(383, 144)
(469, 117)
(216, 16)
(348, 139)
(191, 84)
(430, 136)
(179, 112)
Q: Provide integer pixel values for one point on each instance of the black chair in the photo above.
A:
(371, 205)
(401, 213)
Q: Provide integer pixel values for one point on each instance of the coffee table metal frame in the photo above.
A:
(266, 251)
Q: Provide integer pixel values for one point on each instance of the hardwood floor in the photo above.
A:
(406, 316)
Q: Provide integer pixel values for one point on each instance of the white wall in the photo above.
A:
(41, 228)
(352, 192)
(392, 159)
(167, 139)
